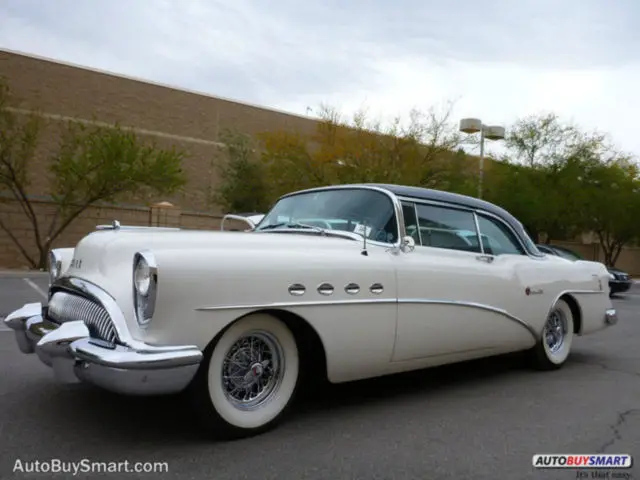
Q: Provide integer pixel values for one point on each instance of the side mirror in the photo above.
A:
(408, 244)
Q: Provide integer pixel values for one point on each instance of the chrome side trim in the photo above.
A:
(92, 291)
(369, 301)
(478, 233)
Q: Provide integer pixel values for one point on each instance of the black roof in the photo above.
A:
(441, 196)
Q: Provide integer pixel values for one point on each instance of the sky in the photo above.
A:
(498, 60)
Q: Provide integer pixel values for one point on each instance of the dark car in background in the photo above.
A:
(619, 281)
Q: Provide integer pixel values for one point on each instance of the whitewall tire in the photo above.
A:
(554, 347)
(248, 377)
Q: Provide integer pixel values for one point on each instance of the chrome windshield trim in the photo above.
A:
(397, 207)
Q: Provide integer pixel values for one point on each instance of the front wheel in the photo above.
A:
(248, 377)
(553, 349)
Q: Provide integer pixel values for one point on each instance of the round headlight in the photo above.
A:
(55, 265)
(142, 277)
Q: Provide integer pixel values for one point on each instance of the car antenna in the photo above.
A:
(364, 237)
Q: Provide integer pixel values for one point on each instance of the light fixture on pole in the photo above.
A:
(489, 132)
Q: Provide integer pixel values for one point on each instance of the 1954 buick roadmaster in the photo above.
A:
(344, 282)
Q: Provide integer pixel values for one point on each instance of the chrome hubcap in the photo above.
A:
(555, 330)
(252, 370)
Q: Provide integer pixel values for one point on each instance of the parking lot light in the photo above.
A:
(489, 132)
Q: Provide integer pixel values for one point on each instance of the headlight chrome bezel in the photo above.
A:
(145, 269)
(54, 266)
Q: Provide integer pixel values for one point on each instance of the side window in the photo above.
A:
(447, 228)
(497, 238)
(411, 221)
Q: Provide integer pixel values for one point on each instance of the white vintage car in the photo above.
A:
(328, 284)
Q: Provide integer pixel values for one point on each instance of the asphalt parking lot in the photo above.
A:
(479, 420)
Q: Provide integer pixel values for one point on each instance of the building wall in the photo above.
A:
(168, 116)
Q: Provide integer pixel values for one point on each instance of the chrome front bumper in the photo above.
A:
(137, 369)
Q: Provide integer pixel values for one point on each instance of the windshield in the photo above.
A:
(351, 210)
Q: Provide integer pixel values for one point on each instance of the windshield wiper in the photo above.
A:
(293, 225)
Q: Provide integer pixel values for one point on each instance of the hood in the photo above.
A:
(107, 253)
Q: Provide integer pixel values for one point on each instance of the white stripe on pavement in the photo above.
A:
(35, 287)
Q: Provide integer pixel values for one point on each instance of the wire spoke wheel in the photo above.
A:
(252, 370)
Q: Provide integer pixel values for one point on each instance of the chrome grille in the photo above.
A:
(66, 307)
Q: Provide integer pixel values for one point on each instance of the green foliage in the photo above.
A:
(92, 164)
(416, 151)
(243, 185)
(561, 181)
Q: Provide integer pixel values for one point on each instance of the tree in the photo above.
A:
(611, 191)
(92, 164)
(243, 185)
(418, 151)
(539, 179)
(540, 139)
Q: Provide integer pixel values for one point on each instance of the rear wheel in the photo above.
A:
(554, 347)
(248, 377)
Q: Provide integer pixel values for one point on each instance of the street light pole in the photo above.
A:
(493, 132)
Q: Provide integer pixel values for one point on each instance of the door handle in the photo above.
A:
(485, 258)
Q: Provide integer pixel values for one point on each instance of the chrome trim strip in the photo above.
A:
(367, 301)
(478, 233)
(415, 212)
(310, 303)
(92, 291)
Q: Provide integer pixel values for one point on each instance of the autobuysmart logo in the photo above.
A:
(561, 460)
